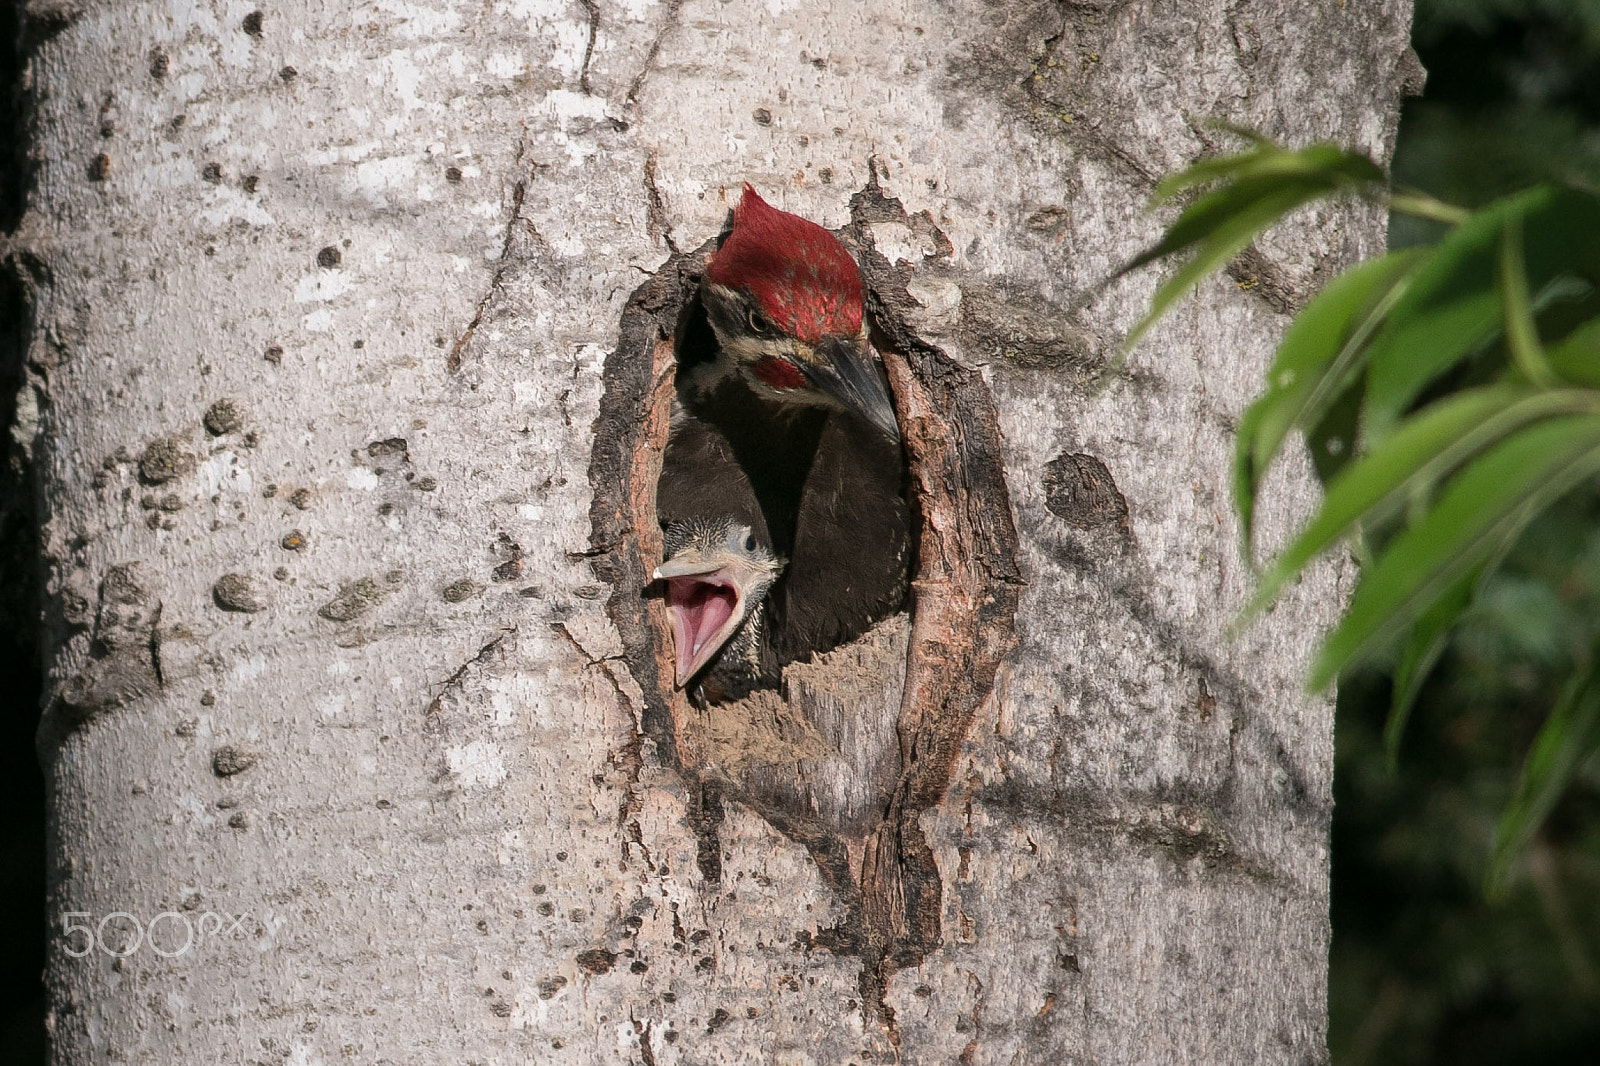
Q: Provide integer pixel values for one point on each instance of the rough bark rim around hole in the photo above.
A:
(964, 592)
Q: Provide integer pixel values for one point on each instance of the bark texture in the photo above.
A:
(348, 351)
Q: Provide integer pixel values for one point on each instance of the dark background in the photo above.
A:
(1424, 970)
(22, 917)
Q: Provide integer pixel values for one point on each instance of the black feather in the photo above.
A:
(850, 565)
(831, 489)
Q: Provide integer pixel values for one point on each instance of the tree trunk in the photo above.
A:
(351, 328)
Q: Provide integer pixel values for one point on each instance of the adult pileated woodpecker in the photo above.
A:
(718, 564)
(789, 380)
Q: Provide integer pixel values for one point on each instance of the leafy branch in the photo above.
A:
(1449, 394)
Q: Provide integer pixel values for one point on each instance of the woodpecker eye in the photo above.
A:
(758, 323)
(749, 543)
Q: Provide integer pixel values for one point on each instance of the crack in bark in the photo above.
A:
(1112, 152)
(589, 657)
(611, 676)
(454, 680)
(1253, 273)
(593, 9)
(453, 361)
(1047, 47)
(667, 26)
(646, 1052)
(656, 214)
(873, 985)
(1185, 829)
(1081, 133)
(975, 1017)
(631, 758)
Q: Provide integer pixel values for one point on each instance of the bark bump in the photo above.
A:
(1080, 490)
(124, 656)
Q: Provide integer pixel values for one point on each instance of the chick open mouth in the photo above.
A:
(704, 609)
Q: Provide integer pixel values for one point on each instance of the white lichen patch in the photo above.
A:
(224, 205)
(324, 285)
(223, 473)
(362, 479)
(417, 20)
(477, 764)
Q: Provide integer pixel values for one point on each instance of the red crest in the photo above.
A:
(799, 274)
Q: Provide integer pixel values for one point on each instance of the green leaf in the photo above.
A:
(1210, 170)
(1315, 363)
(1450, 310)
(1522, 336)
(1480, 510)
(1258, 187)
(1452, 307)
(1405, 468)
(1425, 644)
(1421, 205)
(1576, 357)
(1200, 221)
(1569, 737)
(1420, 651)
(1332, 439)
(1327, 163)
(1218, 233)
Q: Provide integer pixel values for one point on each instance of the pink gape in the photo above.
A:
(701, 606)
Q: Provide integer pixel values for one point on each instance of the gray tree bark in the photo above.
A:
(328, 300)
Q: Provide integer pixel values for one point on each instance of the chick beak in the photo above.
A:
(848, 374)
(707, 601)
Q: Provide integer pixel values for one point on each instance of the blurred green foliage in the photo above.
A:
(1449, 394)
(1426, 970)
(1513, 98)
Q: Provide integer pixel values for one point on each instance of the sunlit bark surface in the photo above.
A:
(323, 294)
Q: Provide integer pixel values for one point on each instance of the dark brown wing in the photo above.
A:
(852, 546)
(701, 480)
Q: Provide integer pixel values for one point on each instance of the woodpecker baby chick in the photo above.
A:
(784, 300)
(717, 575)
(710, 513)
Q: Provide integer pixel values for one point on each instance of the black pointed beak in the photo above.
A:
(849, 374)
